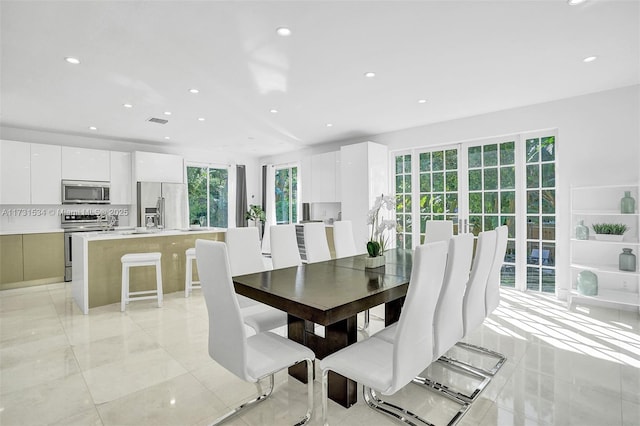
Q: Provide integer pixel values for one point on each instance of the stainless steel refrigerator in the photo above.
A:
(163, 205)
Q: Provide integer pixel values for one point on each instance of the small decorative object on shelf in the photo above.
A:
(582, 232)
(609, 231)
(379, 225)
(628, 203)
(627, 260)
(587, 283)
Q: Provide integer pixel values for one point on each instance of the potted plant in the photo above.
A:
(255, 214)
(609, 231)
(379, 225)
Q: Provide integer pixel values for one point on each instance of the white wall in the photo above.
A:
(598, 143)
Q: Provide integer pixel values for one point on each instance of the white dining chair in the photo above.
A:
(437, 230)
(343, 241)
(245, 254)
(492, 300)
(284, 246)
(474, 303)
(493, 283)
(345, 246)
(386, 367)
(315, 242)
(250, 358)
(245, 257)
(448, 324)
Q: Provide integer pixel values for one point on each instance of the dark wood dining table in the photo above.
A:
(331, 294)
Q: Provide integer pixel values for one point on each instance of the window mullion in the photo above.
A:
(521, 214)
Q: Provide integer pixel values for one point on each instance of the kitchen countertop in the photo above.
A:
(130, 233)
(29, 231)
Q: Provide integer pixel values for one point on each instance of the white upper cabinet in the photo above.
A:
(121, 183)
(155, 167)
(325, 169)
(15, 172)
(46, 174)
(85, 164)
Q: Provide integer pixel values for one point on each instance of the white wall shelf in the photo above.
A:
(598, 204)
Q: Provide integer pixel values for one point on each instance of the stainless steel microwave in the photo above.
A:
(85, 192)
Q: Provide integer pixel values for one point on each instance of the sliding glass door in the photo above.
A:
(480, 186)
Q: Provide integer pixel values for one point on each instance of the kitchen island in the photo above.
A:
(97, 270)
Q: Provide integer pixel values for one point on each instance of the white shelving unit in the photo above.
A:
(601, 204)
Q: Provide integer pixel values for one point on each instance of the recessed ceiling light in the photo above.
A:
(167, 137)
(283, 31)
(93, 128)
(74, 61)
(273, 111)
(167, 113)
(575, 2)
(422, 101)
(201, 119)
(127, 105)
(194, 91)
(329, 125)
(370, 74)
(590, 59)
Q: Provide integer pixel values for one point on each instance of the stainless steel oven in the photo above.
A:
(85, 192)
(73, 223)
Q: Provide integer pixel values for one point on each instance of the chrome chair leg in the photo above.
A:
(399, 413)
(467, 398)
(406, 416)
(479, 349)
(264, 395)
(365, 326)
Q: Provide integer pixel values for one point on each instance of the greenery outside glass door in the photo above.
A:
(208, 192)
(480, 186)
(286, 187)
(492, 196)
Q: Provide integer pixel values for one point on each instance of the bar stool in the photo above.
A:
(132, 260)
(189, 283)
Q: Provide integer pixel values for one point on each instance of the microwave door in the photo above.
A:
(83, 194)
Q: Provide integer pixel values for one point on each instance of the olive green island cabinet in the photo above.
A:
(97, 270)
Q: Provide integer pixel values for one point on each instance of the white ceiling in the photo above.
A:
(464, 57)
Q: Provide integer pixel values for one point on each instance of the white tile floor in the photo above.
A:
(149, 366)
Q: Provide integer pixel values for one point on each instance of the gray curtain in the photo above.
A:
(241, 196)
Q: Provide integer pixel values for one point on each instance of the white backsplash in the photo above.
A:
(324, 211)
(18, 218)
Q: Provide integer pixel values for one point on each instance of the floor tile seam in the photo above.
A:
(211, 391)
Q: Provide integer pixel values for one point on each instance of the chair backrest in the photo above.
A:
(315, 242)
(227, 337)
(438, 230)
(413, 347)
(448, 327)
(343, 239)
(493, 284)
(284, 246)
(473, 309)
(245, 255)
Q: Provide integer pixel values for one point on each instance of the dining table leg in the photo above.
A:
(336, 336)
